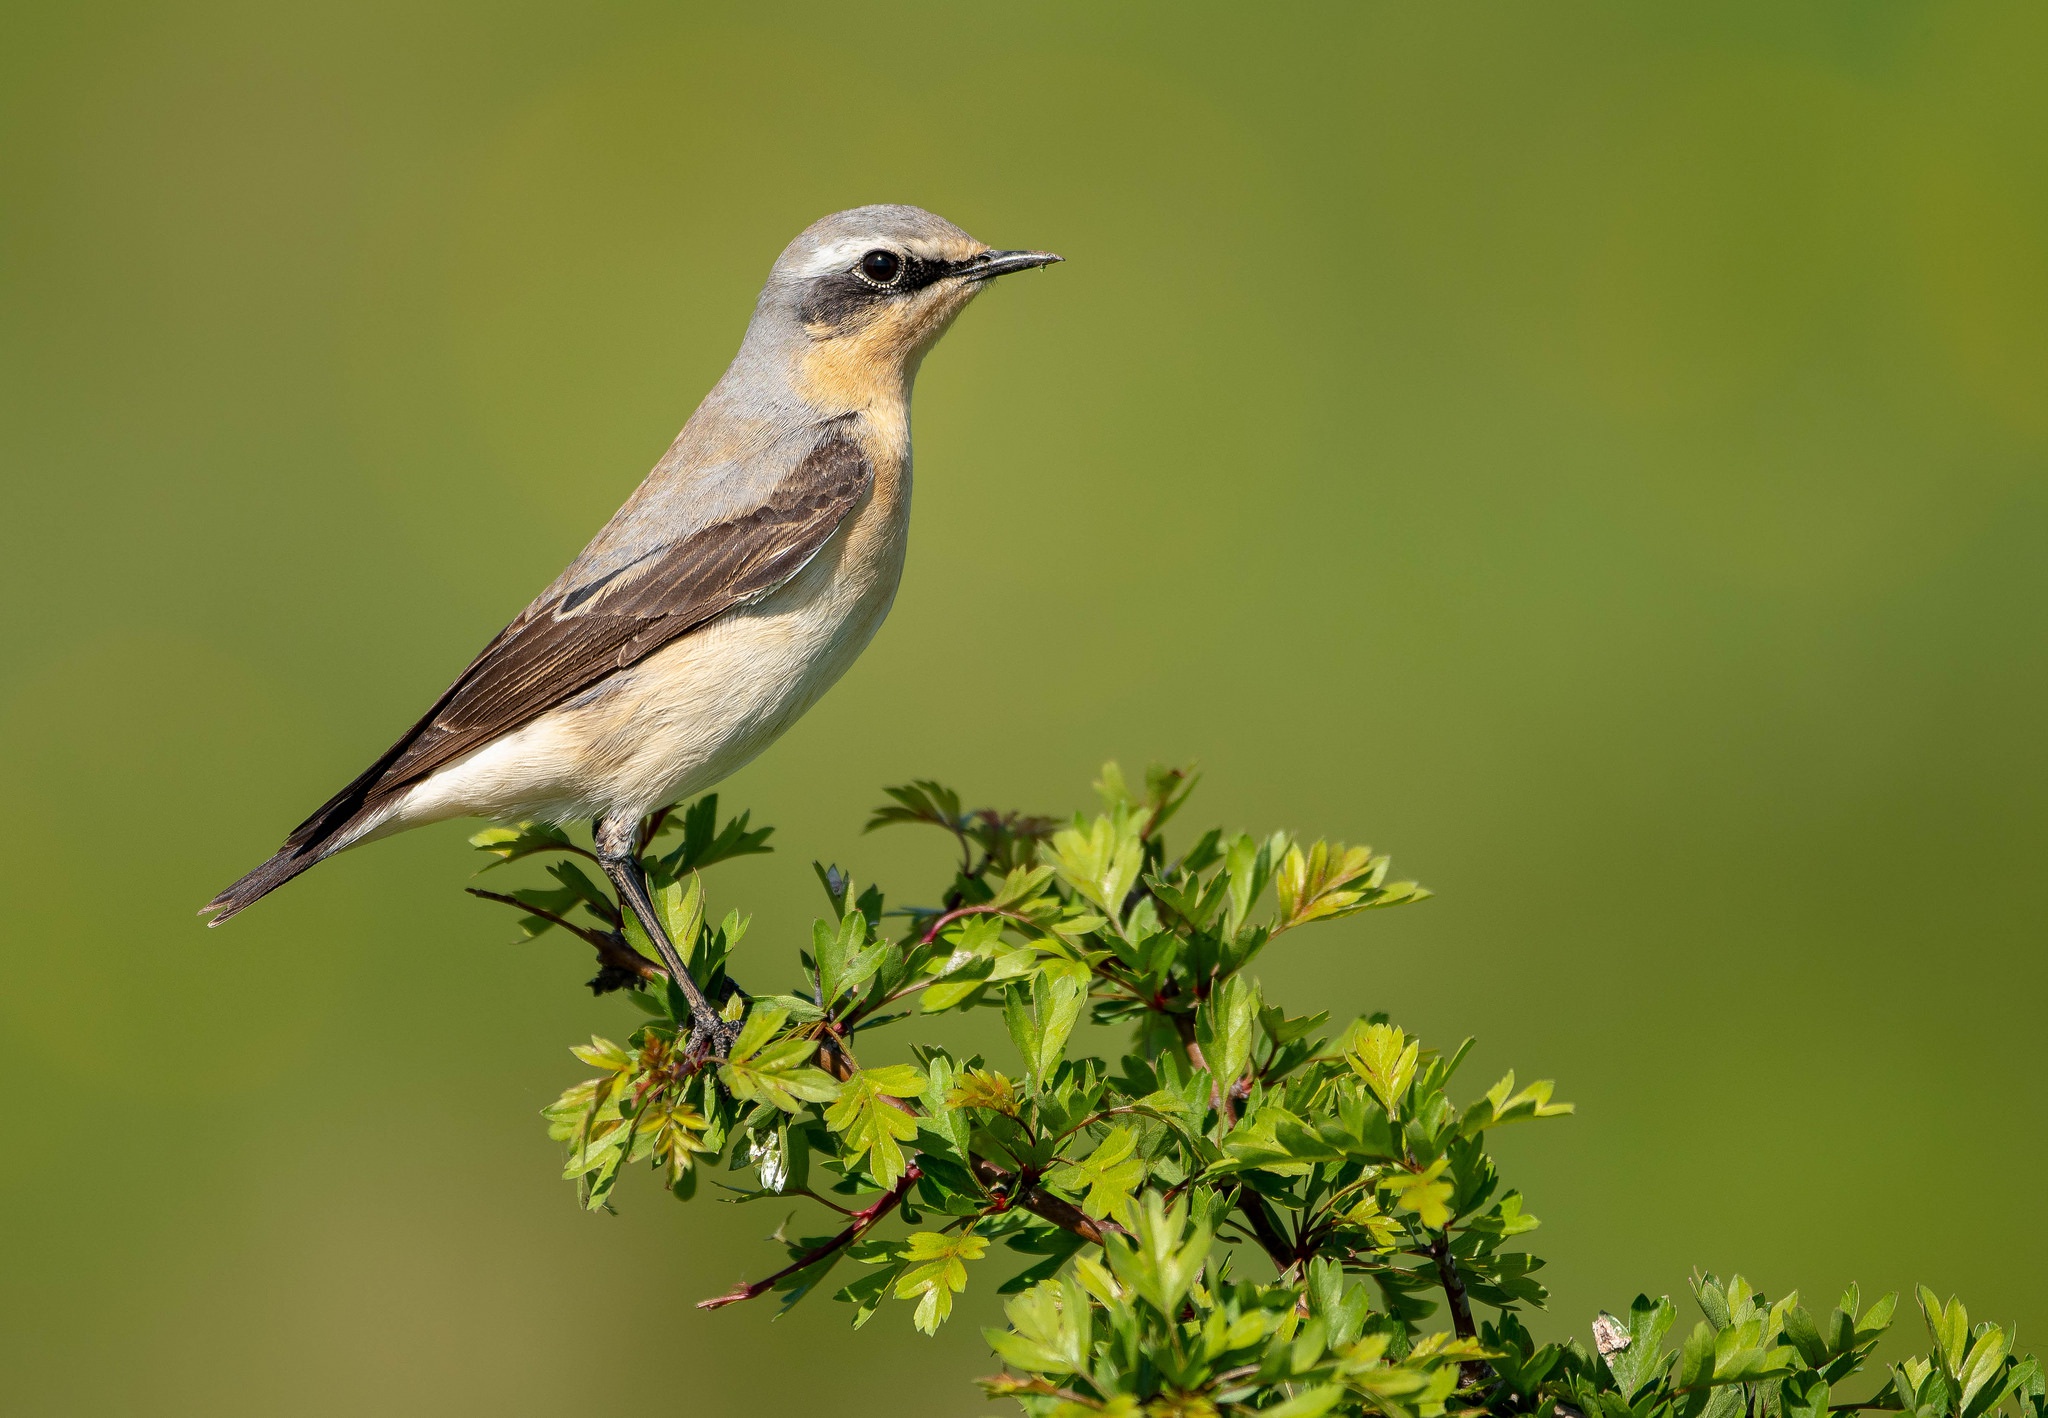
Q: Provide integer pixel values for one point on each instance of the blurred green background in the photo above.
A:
(1593, 451)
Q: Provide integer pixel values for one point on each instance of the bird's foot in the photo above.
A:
(712, 1038)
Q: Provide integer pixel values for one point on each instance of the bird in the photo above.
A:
(734, 587)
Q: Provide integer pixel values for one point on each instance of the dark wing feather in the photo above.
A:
(562, 645)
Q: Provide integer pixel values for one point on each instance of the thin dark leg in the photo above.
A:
(616, 854)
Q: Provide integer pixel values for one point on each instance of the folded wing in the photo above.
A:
(579, 633)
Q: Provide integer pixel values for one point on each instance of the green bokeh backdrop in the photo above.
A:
(1593, 451)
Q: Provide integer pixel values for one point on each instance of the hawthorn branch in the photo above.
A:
(1271, 1240)
(610, 946)
(1471, 1372)
(1023, 1192)
(863, 1222)
(1042, 1203)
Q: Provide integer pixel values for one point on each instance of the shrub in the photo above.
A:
(1249, 1212)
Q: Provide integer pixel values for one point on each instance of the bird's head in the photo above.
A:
(873, 288)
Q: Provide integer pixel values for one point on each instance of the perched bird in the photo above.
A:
(734, 587)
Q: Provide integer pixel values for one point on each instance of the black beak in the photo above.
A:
(990, 264)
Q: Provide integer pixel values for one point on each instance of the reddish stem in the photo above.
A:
(862, 1222)
(947, 918)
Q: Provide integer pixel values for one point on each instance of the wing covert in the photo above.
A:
(567, 641)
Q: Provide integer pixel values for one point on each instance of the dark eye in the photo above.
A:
(881, 267)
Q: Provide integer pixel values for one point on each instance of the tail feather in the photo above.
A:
(337, 823)
(281, 868)
(341, 820)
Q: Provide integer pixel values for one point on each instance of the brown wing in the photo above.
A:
(556, 651)
(560, 646)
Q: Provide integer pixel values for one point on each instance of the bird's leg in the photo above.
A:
(617, 853)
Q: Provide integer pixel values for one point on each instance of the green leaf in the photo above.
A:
(921, 801)
(1426, 1193)
(509, 844)
(706, 844)
(1021, 885)
(1249, 865)
(942, 1117)
(865, 1294)
(843, 965)
(984, 1088)
(761, 1068)
(1331, 880)
(1805, 1396)
(1284, 1031)
(1041, 1017)
(872, 1124)
(1309, 1403)
(1224, 1028)
(1503, 1105)
(1642, 1359)
(1696, 1358)
(1161, 1266)
(1985, 1361)
(1806, 1336)
(1101, 859)
(1948, 1326)
(1740, 1354)
(681, 909)
(1107, 1177)
(1385, 1058)
(1272, 1139)
(1051, 1330)
(935, 1271)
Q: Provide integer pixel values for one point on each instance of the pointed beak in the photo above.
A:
(990, 264)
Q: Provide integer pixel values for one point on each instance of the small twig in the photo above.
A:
(945, 918)
(1271, 1240)
(1472, 1372)
(948, 917)
(1152, 819)
(611, 947)
(1043, 1204)
(1110, 1113)
(822, 1201)
(863, 1221)
(1052, 1390)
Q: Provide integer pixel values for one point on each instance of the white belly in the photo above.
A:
(687, 716)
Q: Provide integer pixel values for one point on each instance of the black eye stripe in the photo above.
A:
(917, 272)
(833, 300)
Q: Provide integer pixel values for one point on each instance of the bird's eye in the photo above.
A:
(881, 267)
